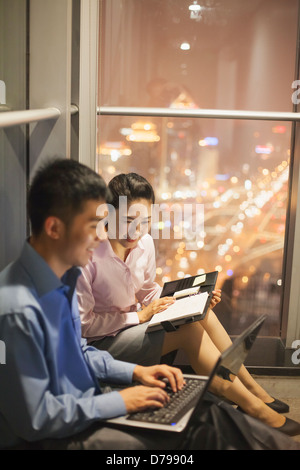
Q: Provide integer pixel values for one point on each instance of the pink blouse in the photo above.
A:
(109, 290)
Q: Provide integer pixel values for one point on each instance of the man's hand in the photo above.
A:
(153, 376)
(140, 398)
(156, 306)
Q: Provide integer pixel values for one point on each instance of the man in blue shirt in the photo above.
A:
(49, 386)
(49, 391)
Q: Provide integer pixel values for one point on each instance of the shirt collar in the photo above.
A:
(104, 250)
(43, 277)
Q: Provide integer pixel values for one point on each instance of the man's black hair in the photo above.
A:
(60, 188)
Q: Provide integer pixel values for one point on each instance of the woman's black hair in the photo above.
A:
(60, 189)
(131, 185)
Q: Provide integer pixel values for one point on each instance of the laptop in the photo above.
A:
(186, 403)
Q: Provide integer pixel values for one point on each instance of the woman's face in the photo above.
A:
(132, 221)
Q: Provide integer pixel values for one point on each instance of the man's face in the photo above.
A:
(80, 238)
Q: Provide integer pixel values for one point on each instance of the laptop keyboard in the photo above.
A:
(180, 402)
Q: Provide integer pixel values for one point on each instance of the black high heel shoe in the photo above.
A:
(279, 406)
(290, 427)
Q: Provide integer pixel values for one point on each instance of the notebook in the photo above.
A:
(193, 295)
(226, 367)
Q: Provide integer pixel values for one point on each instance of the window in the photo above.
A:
(13, 160)
(195, 55)
(39, 41)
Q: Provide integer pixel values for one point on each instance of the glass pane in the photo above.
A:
(12, 139)
(228, 54)
(237, 171)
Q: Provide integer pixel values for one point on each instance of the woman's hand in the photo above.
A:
(156, 306)
(216, 298)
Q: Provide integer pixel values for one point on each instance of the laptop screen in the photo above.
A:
(233, 358)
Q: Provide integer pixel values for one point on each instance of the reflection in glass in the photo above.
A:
(230, 54)
(223, 55)
(238, 171)
(13, 15)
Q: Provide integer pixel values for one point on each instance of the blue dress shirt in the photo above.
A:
(49, 382)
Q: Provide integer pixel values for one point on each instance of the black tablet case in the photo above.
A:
(171, 287)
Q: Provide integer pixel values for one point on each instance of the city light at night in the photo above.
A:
(237, 169)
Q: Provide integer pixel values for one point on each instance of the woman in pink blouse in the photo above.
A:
(118, 295)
